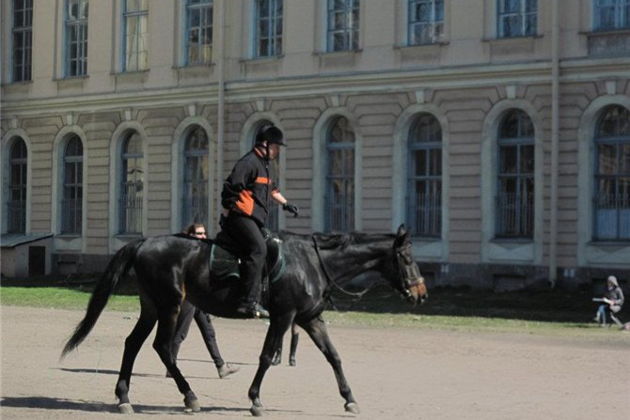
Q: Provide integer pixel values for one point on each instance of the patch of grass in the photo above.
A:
(62, 298)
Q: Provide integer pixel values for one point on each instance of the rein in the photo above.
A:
(331, 281)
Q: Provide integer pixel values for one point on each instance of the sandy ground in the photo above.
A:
(394, 373)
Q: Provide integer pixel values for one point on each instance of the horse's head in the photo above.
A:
(407, 278)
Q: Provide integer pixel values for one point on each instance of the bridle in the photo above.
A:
(331, 281)
(408, 270)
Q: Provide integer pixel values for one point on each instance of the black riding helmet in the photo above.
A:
(271, 134)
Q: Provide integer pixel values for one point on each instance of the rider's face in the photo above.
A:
(274, 151)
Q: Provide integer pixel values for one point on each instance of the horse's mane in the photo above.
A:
(327, 241)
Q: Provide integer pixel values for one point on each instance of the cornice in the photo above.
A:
(342, 83)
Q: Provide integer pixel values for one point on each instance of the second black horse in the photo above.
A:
(172, 268)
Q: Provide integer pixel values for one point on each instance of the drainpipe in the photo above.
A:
(555, 128)
(221, 101)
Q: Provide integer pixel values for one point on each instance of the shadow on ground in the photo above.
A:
(51, 403)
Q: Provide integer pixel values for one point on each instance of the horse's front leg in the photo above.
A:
(316, 329)
(277, 328)
(163, 346)
(132, 346)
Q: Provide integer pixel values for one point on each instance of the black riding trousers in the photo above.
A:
(246, 233)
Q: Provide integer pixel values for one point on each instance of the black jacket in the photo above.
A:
(248, 188)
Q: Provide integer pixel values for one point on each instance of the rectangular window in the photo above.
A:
(199, 31)
(425, 21)
(517, 18)
(22, 40)
(268, 31)
(611, 14)
(76, 34)
(135, 35)
(343, 25)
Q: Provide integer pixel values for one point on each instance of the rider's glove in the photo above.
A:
(291, 209)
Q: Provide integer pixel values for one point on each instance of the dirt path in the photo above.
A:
(394, 373)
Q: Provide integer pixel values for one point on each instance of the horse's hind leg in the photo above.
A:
(132, 345)
(316, 329)
(295, 337)
(163, 346)
(272, 341)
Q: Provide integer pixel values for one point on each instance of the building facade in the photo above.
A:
(498, 131)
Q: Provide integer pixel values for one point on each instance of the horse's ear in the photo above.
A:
(402, 235)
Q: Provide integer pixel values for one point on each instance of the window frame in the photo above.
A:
(79, 27)
(522, 14)
(616, 141)
(20, 186)
(524, 213)
(435, 24)
(620, 11)
(199, 154)
(72, 207)
(189, 9)
(432, 182)
(347, 221)
(125, 156)
(274, 47)
(139, 16)
(22, 63)
(350, 31)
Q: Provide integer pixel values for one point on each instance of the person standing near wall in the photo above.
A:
(188, 312)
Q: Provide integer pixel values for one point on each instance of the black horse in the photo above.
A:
(172, 268)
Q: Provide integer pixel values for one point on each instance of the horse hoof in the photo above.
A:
(192, 405)
(353, 408)
(125, 408)
(291, 362)
(257, 411)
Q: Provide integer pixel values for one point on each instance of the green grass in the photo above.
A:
(550, 312)
(62, 298)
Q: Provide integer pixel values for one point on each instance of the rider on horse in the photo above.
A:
(246, 199)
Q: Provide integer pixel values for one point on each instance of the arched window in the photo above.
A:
(131, 185)
(195, 191)
(515, 193)
(424, 181)
(16, 204)
(72, 201)
(273, 218)
(612, 175)
(339, 198)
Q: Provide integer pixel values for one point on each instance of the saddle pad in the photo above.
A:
(223, 264)
(275, 259)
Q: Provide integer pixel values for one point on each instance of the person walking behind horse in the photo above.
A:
(613, 301)
(246, 197)
(188, 312)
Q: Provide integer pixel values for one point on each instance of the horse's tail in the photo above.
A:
(117, 267)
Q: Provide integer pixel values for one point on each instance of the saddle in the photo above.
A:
(224, 258)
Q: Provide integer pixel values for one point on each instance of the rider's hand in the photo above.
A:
(291, 208)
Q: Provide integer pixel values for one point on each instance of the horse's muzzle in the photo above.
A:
(417, 291)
